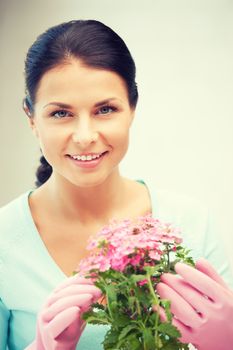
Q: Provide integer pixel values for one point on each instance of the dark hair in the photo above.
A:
(43, 172)
(91, 41)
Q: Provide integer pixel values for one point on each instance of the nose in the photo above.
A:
(84, 132)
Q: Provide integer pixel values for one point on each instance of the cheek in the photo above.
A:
(119, 139)
(50, 140)
(118, 133)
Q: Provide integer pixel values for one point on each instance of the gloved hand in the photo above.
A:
(59, 324)
(202, 305)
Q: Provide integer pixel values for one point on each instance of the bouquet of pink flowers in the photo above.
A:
(126, 262)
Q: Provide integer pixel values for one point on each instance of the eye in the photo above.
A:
(106, 110)
(60, 114)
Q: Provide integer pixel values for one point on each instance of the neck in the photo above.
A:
(84, 204)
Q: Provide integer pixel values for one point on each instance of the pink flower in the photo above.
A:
(128, 243)
(143, 282)
(155, 255)
(135, 260)
(94, 262)
(119, 264)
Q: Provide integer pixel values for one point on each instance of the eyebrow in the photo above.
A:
(64, 105)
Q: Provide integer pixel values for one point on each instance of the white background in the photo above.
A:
(182, 136)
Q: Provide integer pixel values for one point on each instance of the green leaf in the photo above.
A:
(111, 339)
(179, 247)
(113, 305)
(174, 344)
(142, 297)
(148, 339)
(111, 293)
(134, 342)
(171, 347)
(127, 330)
(152, 319)
(169, 329)
(151, 270)
(98, 317)
(121, 320)
(136, 278)
(166, 305)
(98, 306)
(131, 302)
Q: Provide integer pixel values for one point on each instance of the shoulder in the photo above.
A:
(12, 218)
(14, 207)
(14, 249)
(172, 205)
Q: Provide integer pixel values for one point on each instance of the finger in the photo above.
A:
(179, 307)
(204, 266)
(72, 332)
(199, 280)
(73, 280)
(196, 299)
(82, 301)
(63, 320)
(73, 290)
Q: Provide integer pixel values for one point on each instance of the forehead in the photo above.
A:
(75, 78)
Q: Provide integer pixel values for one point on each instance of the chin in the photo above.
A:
(89, 182)
(90, 179)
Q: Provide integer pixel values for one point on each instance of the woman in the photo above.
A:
(80, 103)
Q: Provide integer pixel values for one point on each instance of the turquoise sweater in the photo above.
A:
(28, 273)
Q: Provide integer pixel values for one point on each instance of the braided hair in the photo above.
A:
(43, 172)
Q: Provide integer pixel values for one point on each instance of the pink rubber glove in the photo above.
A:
(202, 305)
(59, 324)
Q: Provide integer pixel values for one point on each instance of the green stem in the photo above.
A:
(168, 260)
(144, 345)
(156, 303)
(155, 298)
(107, 302)
(138, 307)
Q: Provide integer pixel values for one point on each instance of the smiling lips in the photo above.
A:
(87, 161)
(87, 157)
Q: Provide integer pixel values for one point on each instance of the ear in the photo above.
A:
(30, 116)
(26, 108)
(32, 125)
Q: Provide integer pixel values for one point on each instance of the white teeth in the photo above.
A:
(85, 158)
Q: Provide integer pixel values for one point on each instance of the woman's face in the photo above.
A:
(82, 119)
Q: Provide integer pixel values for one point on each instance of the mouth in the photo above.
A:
(87, 161)
(87, 157)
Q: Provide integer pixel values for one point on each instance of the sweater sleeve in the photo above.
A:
(4, 317)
